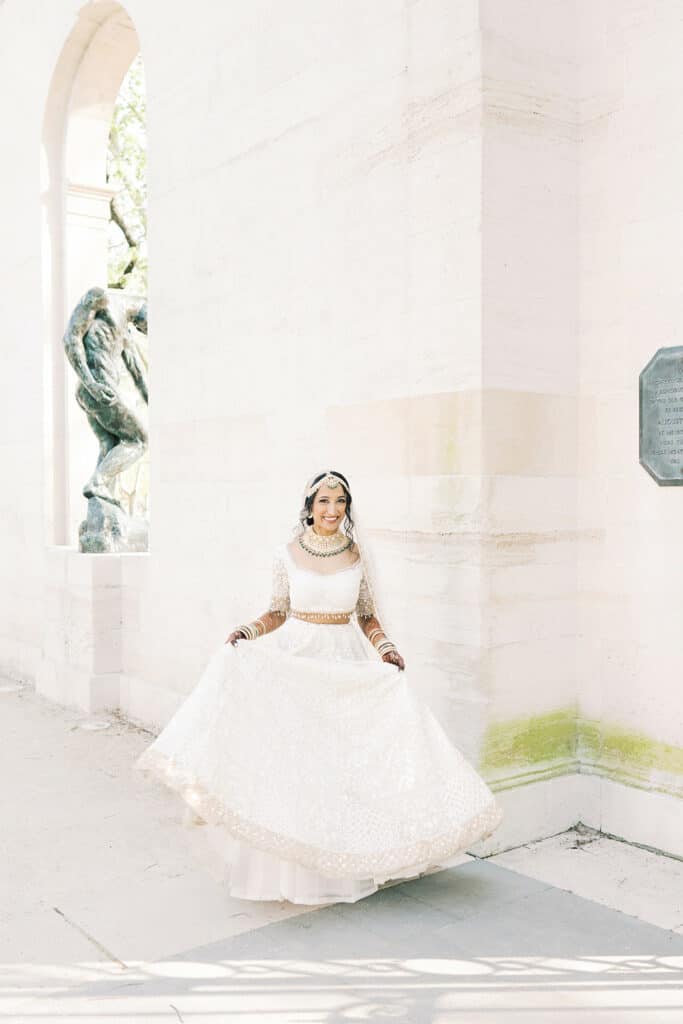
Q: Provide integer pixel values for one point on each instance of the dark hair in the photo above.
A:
(305, 513)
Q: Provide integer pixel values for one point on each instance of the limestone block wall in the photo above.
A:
(631, 296)
(529, 539)
(24, 58)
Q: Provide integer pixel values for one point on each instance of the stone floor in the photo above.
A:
(107, 916)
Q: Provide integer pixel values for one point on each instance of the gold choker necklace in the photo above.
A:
(317, 544)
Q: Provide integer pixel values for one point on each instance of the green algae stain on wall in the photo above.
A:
(559, 742)
(530, 741)
(609, 745)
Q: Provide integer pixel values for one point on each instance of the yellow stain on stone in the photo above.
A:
(436, 434)
(528, 433)
(636, 750)
(561, 736)
(530, 741)
(471, 431)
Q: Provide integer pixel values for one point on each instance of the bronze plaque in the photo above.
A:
(661, 416)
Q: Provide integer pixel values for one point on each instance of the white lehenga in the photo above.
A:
(318, 771)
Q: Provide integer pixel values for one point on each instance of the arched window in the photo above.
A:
(76, 234)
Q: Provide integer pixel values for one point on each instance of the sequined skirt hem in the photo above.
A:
(385, 864)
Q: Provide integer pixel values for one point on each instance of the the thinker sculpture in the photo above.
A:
(99, 346)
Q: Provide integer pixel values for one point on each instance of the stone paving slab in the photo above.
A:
(95, 856)
(641, 882)
(477, 942)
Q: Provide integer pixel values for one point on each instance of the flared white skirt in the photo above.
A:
(314, 772)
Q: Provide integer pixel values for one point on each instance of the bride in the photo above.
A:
(304, 750)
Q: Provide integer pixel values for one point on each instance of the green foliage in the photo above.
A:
(127, 258)
(127, 173)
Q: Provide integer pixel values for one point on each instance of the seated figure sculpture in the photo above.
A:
(99, 345)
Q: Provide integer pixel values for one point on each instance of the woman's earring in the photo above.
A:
(309, 520)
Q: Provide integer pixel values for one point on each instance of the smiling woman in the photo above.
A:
(306, 755)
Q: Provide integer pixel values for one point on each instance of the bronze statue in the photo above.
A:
(99, 345)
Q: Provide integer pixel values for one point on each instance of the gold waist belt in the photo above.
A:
(325, 617)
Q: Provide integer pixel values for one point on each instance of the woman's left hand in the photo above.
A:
(394, 658)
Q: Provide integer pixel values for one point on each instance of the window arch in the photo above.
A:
(75, 216)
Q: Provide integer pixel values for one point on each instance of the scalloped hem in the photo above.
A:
(399, 863)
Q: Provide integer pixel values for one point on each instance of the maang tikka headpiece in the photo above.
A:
(330, 479)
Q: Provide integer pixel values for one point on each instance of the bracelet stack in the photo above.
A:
(253, 630)
(379, 641)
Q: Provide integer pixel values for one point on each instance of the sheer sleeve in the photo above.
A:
(365, 606)
(279, 600)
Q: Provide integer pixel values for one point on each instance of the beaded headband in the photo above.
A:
(330, 479)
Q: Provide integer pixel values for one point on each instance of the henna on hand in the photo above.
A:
(371, 623)
(368, 623)
(394, 658)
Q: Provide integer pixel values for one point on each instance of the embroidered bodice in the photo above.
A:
(308, 591)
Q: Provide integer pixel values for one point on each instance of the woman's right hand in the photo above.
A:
(234, 637)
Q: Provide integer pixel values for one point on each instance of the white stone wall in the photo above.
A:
(631, 302)
(25, 57)
(529, 351)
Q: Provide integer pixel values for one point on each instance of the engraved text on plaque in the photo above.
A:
(661, 416)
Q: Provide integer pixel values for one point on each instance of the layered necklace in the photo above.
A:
(323, 546)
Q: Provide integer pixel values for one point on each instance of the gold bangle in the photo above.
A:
(383, 639)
